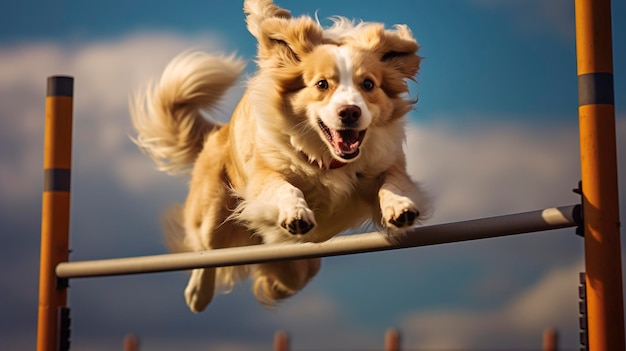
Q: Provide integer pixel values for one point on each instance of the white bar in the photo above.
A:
(527, 222)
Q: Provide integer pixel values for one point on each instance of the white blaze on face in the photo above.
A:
(346, 93)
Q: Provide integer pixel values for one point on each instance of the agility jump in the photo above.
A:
(605, 311)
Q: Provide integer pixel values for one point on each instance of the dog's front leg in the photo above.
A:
(399, 197)
(273, 199)
(294, 214)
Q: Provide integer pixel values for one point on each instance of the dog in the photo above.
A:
(314, 147)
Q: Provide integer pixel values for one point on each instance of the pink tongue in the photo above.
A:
(346, 141)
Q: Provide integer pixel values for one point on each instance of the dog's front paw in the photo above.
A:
(298, 220)
(400, 213)
(405, 219)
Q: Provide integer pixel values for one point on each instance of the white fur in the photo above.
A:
(346, 93)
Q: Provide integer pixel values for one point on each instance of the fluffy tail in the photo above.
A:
(170, 127)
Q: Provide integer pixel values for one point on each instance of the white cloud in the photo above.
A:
(516, 167)
(106, 74)
(550, 302)
(315, 321)
(495, 168)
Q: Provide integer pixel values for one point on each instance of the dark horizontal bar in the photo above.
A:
(57, 179)
(595, 88)
(60, 86)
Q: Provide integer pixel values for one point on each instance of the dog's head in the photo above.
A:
(333, 84)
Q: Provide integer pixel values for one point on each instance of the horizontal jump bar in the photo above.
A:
(527, 222)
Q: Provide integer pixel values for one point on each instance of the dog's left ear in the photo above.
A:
(396, 47)
(258, 11)
(399, 50)
(284, 40)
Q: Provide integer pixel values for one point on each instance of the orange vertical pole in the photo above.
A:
(55, 215)
(598, 152)
(550, 340)
(131, 343)
(392, 340)
(281, 341)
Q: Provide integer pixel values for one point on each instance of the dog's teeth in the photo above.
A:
(345, 142)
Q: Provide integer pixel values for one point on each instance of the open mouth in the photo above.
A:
(345, 142)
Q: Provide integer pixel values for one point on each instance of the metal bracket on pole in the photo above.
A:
(582, 309)
(580, 217)
(63, 283)
(64, 328)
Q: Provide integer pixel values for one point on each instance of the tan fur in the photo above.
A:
(266, 177)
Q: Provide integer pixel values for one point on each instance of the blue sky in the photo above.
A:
(494, 132)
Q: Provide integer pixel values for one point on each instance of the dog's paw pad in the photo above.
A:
(405, 219)
(298, 219)
(297, 226)
(400, 213)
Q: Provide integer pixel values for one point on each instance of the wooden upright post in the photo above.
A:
(605, 307)
(550, 340)
(281, 341)
(392, 340)
(131, 343)
(53, 319)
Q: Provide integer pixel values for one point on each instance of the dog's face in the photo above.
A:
(340, 96)
(336, 84)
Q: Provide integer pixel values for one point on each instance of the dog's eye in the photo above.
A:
(322, 84)
(367, 85)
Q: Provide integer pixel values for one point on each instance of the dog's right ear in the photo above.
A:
(283, 41)
(258, 11)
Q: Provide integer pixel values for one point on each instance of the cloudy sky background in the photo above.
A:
(494, 132)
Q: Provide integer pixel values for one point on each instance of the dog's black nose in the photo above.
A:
(349, 114)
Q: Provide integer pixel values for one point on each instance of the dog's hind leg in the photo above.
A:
(205, 216)
(201, 286)
(204, 282)
(278, 280)
(200, 289)
(212, 230)
(213, 234)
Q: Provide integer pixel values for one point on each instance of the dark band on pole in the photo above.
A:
(595, 88)
(60, 86)
(56, 179)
